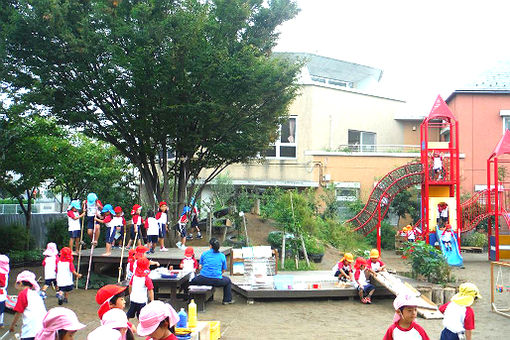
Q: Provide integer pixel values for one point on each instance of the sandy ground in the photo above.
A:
(319, 319)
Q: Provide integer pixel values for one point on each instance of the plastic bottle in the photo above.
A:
(192, 314)
(183, 319)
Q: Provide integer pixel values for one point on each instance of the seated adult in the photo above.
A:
(212, 265)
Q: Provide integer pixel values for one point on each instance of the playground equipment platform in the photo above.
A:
(323, 280)
(171, 257)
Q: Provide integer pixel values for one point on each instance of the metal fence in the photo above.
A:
(37, 208)
(38, 226)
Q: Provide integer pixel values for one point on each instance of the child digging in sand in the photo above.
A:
(403, 326)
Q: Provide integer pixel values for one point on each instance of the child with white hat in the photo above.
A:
(404, 326)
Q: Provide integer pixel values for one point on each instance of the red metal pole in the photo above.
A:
(488, 206)
(379, 228)
(457, 184)
(496, 206)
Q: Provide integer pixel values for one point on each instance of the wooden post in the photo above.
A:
(437, 295)
(449, 292)
(209, 224)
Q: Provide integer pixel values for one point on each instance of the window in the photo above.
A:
(361, 141)
(506, 123)
(345, 193)
(285, 146)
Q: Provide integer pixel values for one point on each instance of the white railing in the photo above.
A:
(379, 148)
(37, 208)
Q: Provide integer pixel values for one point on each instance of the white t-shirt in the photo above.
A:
(153, 226)
(31, 304)
(438, 163)
(91, 210)
(139, 288)
(3, 294)
(444, 212)
(454, 316)
(446, 237)
(73, 224)
(117, 221)
(50, 267)
(65, 274)
(163, 219)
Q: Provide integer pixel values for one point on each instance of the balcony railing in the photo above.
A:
(378, 148)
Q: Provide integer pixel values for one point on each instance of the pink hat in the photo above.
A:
(115, 318)
(104, 332)
(4, 264)
(152, 314)
(58, 318)
(403, 300)
(29, 277)
(51, 250)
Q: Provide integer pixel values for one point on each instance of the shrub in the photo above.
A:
(290, 265)
(476, 239)
(244, 200)
(20, 256)
(342, 236)
(313, 246)
(427, 261)
(15, 237)
(57, 232)
(387, 236)
(268, 202)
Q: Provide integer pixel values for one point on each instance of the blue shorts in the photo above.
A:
(446, 334)
(110, 236)
(49, 282)
(367, 289)
(2, 307)
(182, 229)
(152, 238)
(90, 222)
(74, 234)
(132, 232)
(162, 230)
(66, 288)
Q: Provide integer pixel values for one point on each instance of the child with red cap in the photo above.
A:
(157, 321)
(162, 219)
(189, 263)
(29, 305)
(110, 296)
(362, 276)
(183, 221)
(59, 324)
(4, 280)
(139, 287)
(119, 223)
(50, 267)
(65, 272)
(374, 262)
(403, 326)
(135, 231)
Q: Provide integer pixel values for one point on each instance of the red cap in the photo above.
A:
(117, 210)
(141, 250)
(189, 252)
(142, 267)
(135, 208)
(107, 292)
(66, 254)
(162, 203)
(360, 262)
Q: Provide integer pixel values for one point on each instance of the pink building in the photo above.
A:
(483, 112)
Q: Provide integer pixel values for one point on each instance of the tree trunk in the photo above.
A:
(149, 186)
(181, 186)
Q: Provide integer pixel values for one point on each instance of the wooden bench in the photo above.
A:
(201, 296)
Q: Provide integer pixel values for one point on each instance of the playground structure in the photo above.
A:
(499, 288)
(437, 174)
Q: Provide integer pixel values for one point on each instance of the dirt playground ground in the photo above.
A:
(312, 319)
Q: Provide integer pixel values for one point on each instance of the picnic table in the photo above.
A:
(174, 284)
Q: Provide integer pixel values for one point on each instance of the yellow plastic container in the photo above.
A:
(192, 314)
(214, 330)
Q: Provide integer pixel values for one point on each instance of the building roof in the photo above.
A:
(495, 80)
(326, 67)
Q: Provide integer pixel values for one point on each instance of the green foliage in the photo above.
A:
(86, 165)
(15, 237)
(275, 239)
(331, 203)
(476, 239)
(313, 246)
(268, 201)
(427, 262)
(342, 236)
(244, 200)
(355, 207)
(404, 204)
(194, 77)
(387, 236)
(57, 232)
(290, 265)
(21, 256)
(222, 192)
(96, 281)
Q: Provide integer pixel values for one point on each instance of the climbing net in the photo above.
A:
(500, 288)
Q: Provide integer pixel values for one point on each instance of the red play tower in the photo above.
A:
(499, 205)
(440, 159)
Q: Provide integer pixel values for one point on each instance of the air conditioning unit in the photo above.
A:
(326, 177)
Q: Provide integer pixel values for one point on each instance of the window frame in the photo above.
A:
(361, 145)
(278, 143)
(505, 119)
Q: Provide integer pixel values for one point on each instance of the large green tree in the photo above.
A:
(192, 78)
(86, 165)
(29, 150)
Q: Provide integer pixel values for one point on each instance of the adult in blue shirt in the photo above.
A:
(212, 265)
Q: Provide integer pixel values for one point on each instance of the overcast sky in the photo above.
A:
(425, 48)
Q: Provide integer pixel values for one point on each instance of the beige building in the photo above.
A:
(339, 131)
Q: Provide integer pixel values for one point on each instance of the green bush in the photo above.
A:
(387, 236)
(427, 262)
(476, 239)
(268, 202)
(57, 232)
(341, 236)
(313, 246)
(15, 237)
(275, 239)
(290, 265)
(20, 256)
(244, 200)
